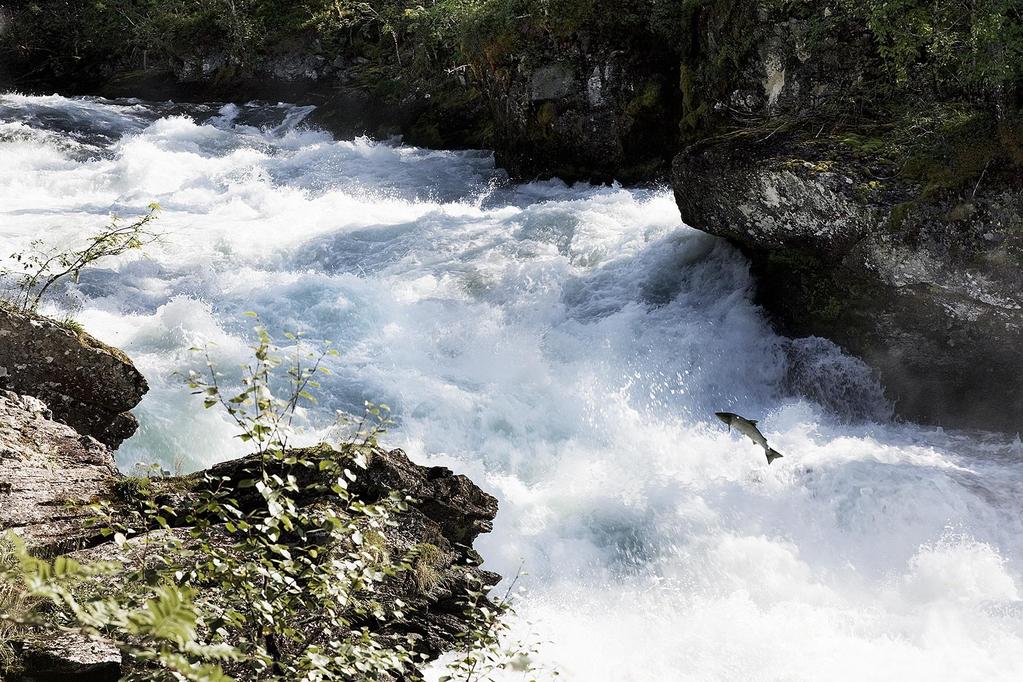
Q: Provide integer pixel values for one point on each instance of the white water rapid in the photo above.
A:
(566, 347)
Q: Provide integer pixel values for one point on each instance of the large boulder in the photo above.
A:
(447, 513)
(929, 291)
(54, 474)
(87, 384)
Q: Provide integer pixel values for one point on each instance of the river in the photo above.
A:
(566, 347)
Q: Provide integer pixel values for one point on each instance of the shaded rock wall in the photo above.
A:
(579, 109)
(930, 293)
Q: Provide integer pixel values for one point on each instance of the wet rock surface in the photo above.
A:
(87, 384)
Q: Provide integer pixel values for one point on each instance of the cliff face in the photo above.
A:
(883, 214)
(582, 107)
(929, 293)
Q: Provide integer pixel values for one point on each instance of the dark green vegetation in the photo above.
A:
(920, 82)
(948, 47)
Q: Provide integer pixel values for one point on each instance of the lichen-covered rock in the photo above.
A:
(70, 658)
(87, 384)
(928, 292)
(790, 62)
(48, 474)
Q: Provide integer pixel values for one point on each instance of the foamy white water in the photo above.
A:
(566, 347)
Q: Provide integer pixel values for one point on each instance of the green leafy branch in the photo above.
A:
(42, 266)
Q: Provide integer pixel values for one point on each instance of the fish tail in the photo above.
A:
(772, 454)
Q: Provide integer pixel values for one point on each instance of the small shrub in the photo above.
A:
(486, 647)
(425, 560)
(16, 606)
(72, 325)
(42, 266)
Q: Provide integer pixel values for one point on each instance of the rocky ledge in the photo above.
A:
(55, 472)
(927, 290)
(50, 474)
(446, 514)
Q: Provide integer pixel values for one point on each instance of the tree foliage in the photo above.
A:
(949, 47)
(939, 49)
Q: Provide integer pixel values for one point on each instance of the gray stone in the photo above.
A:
(68, 657)
(929, 293)
(48, 472)
(551, 82)
(87, 384)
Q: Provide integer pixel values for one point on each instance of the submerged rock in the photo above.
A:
(87, 384)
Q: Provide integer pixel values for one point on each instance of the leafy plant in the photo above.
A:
(486, 646)
(946, 45)
(270, 570)
(15, 606)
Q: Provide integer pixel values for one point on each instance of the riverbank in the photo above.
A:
(64, 497)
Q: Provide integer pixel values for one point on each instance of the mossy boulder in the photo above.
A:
(87, 384)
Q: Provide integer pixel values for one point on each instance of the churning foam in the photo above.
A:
(566, 347)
